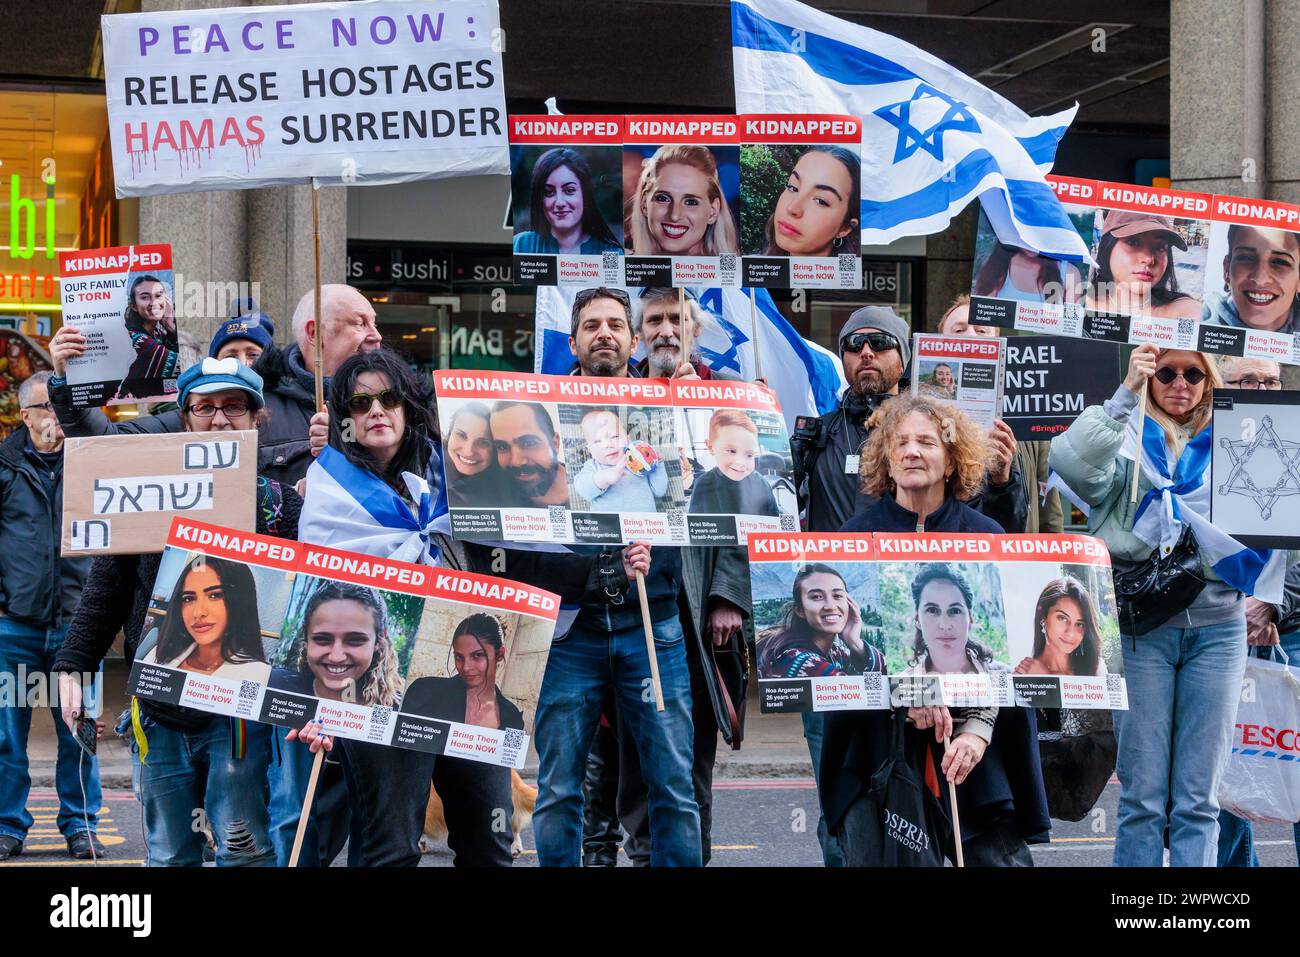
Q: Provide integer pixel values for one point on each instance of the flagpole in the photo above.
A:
(682, 315)
(753, 326)
(307, 800)
(956, 820)
(1137, 449)
(650, 642)
(315, 245)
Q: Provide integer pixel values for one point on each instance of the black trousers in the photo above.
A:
(388, 792)
(997, 845)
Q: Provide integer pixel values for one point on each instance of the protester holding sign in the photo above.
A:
(183, 757)
(922, 458)
(1184, 642)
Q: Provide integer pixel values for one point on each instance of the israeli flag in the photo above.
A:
(349, 508)
(806, 378)
(933, 139)
(1181, 496)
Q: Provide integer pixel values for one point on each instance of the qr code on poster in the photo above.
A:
(873, 683)
(847, 262)
(1115, 689)
(788, 523)
(248, 690)
(676, 519)
(1186, 332)
(609, 262)
(727, 268)
(513, 740)
(380, 715)
(555, 513)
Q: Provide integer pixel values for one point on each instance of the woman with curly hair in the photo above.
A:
(680, 209)
(922, 458)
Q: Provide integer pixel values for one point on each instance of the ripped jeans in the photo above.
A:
(189, 779)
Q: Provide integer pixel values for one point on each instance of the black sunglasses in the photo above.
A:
(360, 402)
(1192, 376)
(879, 342)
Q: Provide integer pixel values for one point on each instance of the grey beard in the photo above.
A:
(664, 362)
(602, 367)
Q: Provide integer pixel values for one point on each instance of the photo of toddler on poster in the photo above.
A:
(740, 463)
(618, 459)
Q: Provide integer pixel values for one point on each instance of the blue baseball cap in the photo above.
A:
(256, 327)
(218, 375)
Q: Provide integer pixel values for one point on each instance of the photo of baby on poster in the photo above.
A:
(123, 302)
(285, 633)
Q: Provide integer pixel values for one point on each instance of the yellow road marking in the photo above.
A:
(1081, 840)
(116, 862)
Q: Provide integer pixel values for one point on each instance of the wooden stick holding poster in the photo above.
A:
(305, 814)
(315, 247)
(650, 642)
(686, 338)
(956, 819)
(1137, 451)
(753, 328)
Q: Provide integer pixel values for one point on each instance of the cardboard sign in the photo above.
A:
(287, 653)
(1255, 466)
(854, 622)
(1051, 379)
(343, 93)
(965, 371)
(1191, 286)
(535, 458)
(123, 301)
(121, 492)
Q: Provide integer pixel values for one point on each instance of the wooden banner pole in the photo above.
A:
(307, 800)
(315, 245)
(956, 819)
(650, 642)
(1137, 450)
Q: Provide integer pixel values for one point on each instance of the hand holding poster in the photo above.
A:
(533, 458)
(966, 371)
(353, 93)
(121, 492)
(850, 622)
(268, 630)
(123, 302)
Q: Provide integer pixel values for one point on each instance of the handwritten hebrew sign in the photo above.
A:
(121, 491)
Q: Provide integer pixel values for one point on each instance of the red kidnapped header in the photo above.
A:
(238, 546)
(797, 128)
(93, 262)
(562, 130)
(721, 130)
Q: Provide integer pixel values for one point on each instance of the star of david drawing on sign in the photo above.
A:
(1254, 477)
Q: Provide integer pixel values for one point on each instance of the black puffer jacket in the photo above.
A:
(283, 449)
(117, 595)
(38, 587)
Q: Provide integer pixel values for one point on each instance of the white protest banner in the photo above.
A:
(378, 91)
(967, 371)
(1255, 466)
(437, 639)
(121, 492)
(123, 301)
(869, 621)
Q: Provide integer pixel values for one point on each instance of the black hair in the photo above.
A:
(242, 639)
(792, 630)
(540, 415)
(1165, 289)
(1084, 659)
(483, 628)
(939, 571)
(853, 164)
(587, 296)
(134, 321)
(592, 222)
(417, 400)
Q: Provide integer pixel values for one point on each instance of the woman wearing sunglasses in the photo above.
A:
(1185, 648)
(382, 428)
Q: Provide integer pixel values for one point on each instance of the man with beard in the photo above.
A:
(658, 321)
(528, 450)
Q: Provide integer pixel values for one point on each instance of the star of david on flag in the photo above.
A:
(933, 139)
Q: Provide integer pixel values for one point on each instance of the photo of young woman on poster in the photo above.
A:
(681, 208)
(1261, 279)
(1067, 637)
(344, 652)
(471, 695)
(819, 633)
(212, 625)
(943, 644)
(564, 213)
(816, 214)
(1009, 272)
(1135, 268)
(474, 477)
(150, 320)
(939, 381)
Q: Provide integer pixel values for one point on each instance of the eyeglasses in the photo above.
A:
(1250, 382)
(360, 402)
(1192, 376)
(879, 342)
(48, 407)
(206, 410)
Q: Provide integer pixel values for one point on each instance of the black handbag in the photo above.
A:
(1153, 591)
(914, 829)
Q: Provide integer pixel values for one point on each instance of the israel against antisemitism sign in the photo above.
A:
(355, 93)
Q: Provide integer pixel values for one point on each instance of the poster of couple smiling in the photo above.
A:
(285, 633)
(537, 458)
(855, 622)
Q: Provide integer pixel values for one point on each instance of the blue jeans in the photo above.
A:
(188, 775)
(1237, 836)
(814, 723)
(582, 666)
(287, 781)
(1174, 741)
(76, 775)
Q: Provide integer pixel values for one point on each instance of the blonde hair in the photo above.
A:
(1198, 417)
(967, 446)
(720, 237)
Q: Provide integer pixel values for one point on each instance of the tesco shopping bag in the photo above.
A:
(1262, 780)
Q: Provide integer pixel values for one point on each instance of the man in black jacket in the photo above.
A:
(39, 589)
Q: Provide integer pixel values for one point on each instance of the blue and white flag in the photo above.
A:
(933, 139)
(806, 378)
(348, 507)
(1181, 496)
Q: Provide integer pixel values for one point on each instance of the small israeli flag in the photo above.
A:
(933, 139)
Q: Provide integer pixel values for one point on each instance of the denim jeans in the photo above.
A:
(582, 666)
(76, 775)
(1174, 741)
(1237, 836)
(287, 781)
(814, 723)
(184, 774)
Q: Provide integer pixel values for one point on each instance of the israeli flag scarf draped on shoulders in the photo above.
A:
(1181, 496)
(348, 507)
